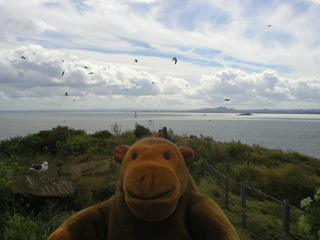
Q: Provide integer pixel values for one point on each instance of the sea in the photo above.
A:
(287, 132)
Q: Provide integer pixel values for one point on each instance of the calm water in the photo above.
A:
(289, 132)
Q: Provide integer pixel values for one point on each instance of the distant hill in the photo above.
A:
(202, 110)
(232, 110)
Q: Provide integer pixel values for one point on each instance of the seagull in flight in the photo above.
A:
(66, 94)
(85, 67)
(90, 73)
(227, 100)
(175, 60)
(136, 60)
(269, 25)
(23, 57)
(62, 74)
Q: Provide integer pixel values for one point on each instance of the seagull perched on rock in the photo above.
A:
(175, 60)
(39, 167)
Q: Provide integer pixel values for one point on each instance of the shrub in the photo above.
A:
(21, 228)
(126, 137)
(140, 131)
(237, 150)
(309, 222)
(102, 134)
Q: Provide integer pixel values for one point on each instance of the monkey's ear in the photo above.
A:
(119, 152)
(188, 154)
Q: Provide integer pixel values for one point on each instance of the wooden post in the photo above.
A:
(248, 161)
(211, 171)
(243, 205)
(286, 217)
(227, 192)
(218, 178)
(228, 159)
(205, 168)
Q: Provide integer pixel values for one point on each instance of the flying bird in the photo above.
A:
(269, 25)
(23, 57)
(136, 60)
(227, 100)
(85, 67)
(66, 94)
(175, 60)
(39, 167)
(62, 74)
(90, 73)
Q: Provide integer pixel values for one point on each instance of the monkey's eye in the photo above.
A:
(134, 156)
(166, 156)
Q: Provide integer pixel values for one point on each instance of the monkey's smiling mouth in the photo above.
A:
(153, 197)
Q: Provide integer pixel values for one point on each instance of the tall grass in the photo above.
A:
(283, 175)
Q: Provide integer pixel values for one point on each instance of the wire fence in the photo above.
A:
(250, 217)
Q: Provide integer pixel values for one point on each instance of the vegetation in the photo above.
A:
(309, 222)
(282, 175)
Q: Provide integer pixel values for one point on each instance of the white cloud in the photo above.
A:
(28, 25)
(252, 89)
(223, 50)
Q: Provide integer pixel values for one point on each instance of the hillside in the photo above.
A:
(86, 162)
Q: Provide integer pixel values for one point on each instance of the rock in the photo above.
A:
(43, 187)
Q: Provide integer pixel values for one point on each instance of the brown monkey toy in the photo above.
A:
(156, 198)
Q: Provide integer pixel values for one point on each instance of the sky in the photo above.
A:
(259, 54)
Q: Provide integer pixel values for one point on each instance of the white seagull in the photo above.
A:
(39, 167)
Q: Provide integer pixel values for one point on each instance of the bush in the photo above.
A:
(237, 150)
(140, 131)
(309, 222)
(102, 134)
(21, 228)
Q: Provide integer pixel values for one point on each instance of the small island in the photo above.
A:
(245, 114)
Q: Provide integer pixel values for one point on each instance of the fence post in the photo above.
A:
(228, 159)
(218, 178)
(205, 167)
(286, 217)
(210, 170)
(227, 192)
(248, 161)
(243, 205)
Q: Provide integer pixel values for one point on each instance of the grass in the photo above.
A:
(283, 175)
(264, 217)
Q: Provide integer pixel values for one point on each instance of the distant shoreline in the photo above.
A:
(203, 110)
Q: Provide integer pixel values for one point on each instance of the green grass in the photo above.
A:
(264, 217)
(283, 175)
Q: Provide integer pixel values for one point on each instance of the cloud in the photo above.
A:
(265, 88)
(223, 50)
(28, 25)
(39, 75)
(44, 68)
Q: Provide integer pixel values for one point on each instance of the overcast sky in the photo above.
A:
(257, 53)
